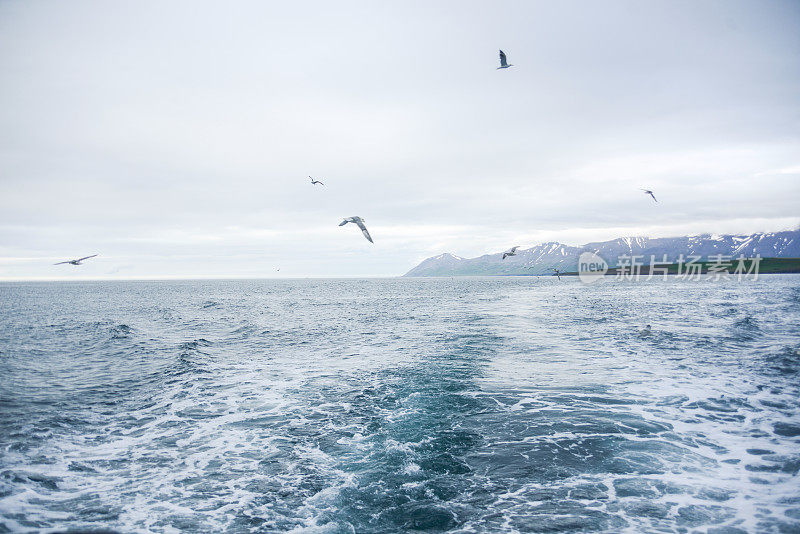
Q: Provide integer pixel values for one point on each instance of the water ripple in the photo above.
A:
(500, 404)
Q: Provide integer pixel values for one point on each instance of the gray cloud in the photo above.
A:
(175, 139)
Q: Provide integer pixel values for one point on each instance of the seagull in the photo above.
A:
(557, 272)
(315, 182)
(360, 223)
(510, 252)
(503, 63)
(646, 331)
(648, 192)
(75, 262)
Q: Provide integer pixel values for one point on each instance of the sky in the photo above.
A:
(175, 139)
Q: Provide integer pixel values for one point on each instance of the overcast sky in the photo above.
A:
(175, 138)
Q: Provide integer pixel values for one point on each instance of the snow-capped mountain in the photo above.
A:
(545, 256)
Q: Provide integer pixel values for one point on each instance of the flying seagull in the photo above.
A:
(360, 223)
(557, 272)
(503, 63)
(648, 192)
(315, 182)
(75, 262)
(510, 252)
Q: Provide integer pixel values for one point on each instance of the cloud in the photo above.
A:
(177, 139)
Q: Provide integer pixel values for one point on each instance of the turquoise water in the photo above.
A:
(474, 404)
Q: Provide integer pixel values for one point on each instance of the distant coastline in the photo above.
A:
(765, 266)
(545, 258)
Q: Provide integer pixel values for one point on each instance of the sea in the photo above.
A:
(500, 404)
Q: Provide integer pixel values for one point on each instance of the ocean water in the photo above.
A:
(392, 405)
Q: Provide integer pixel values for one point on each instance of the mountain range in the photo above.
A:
(543, 257)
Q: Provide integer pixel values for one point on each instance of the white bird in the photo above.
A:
(315, 182)
(557, 272)
(360, 223)
(503, 63)
(510, 252)
(75, 262)
(648, 192)
(646, 331)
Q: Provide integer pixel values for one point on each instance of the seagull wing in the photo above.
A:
(87, 257)
(61, 263)
(514, 249)
(503, 62)
(654, 197)
(343, 222)
(364, 231)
